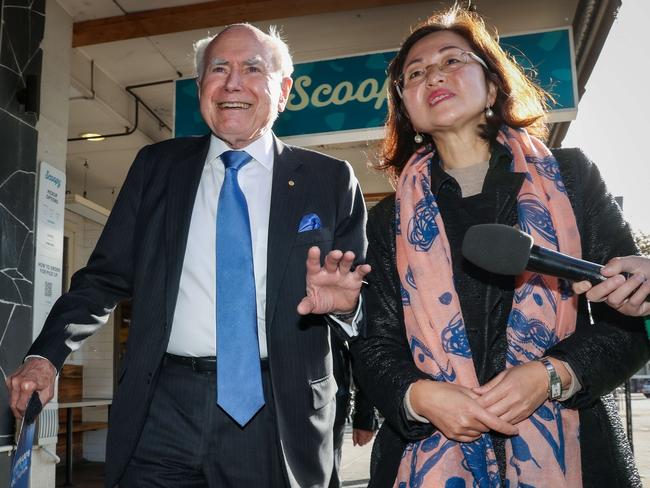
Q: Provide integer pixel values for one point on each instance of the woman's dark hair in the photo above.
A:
(519, 102)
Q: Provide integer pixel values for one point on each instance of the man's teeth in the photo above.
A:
(234, 105)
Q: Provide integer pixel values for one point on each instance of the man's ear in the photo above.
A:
(285, 89)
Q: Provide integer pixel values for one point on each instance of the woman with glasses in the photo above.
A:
(487, 380)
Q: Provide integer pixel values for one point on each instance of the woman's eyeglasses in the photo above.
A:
(451, 62)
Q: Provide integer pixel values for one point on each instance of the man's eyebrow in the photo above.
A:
(218, 62)
(255, 60)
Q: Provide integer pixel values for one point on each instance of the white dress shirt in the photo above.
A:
(193, 330)
(194, 325)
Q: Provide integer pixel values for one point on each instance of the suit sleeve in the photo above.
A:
(608, 351)
(363, 417)
(349, 234)
(351, 219)
(382, 360)
(107, 278)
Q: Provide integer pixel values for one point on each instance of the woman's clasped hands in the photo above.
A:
(463, 414)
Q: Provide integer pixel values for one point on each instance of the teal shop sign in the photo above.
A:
(548, 58)
(348, 95)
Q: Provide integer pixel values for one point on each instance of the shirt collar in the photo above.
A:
(261, 149)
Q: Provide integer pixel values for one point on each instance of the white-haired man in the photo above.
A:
(209, 238)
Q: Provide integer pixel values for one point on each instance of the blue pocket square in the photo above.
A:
(309, 222)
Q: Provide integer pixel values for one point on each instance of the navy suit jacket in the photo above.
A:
(140, 255)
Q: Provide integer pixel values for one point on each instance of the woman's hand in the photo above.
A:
(625, 295)
(514, 394)
(361, 437)
(332, 288)
(454, 411)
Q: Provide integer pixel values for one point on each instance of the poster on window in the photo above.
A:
(50, 208)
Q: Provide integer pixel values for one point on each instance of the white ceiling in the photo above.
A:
(149, 59)
(81, 10)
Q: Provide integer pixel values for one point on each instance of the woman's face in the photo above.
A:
(444, 102)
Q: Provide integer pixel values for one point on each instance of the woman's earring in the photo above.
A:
(489, 113)
(418, 138)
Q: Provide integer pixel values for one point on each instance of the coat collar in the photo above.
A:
(288, 196)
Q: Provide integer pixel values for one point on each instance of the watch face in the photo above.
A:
(556, 389)
(554, 382)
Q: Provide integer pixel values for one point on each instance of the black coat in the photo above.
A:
(363, 413)
(602, 355)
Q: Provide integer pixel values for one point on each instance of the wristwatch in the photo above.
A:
(554, 382)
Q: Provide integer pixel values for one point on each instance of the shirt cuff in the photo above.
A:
(574, 387)
(350, 328)
(408, 409)
(36, 356)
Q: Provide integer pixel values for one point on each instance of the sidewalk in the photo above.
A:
(355, 462)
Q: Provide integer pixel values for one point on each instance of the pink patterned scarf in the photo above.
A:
(546, 453)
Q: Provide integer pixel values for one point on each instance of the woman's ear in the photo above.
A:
(492, 93)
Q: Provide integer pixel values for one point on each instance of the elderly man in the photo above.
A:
(227, 379)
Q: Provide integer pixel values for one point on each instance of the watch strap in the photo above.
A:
(554, 382)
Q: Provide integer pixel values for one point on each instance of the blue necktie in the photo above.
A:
(239, 378)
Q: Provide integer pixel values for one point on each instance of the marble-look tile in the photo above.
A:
(8, 88)
(15, 337)
(16, 21)
(36, 26)
(20, 55)
(38, 6)
(7, 56)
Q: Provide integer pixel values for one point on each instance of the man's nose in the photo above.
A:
(234, 80)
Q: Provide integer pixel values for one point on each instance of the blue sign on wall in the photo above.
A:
(547, 59)
(350, 93)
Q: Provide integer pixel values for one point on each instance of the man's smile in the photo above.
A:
(233, 105)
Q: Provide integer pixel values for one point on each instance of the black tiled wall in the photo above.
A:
(20, 57)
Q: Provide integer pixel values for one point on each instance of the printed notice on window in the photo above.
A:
(50, 208)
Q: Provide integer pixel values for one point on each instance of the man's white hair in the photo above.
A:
(280, 55)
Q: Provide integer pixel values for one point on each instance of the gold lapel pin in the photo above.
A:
(292, 183)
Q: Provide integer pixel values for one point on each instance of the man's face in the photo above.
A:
(241, 90)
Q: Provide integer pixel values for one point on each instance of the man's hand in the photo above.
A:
(36, 374)
(625, 295)
(455, 411)
(332, 288)
(514, 394)
(361, 437)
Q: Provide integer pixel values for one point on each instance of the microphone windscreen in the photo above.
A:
(497, 248)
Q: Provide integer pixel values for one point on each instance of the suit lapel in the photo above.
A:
(182, 186)
(287, 203)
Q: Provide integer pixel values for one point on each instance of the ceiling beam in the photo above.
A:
(206, 15)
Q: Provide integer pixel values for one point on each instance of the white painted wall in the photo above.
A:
(52, 124)
(96, 352)
(52, 129)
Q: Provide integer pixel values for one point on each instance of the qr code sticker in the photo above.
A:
(48, 288)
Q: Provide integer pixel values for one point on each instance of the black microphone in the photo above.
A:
(505, 250)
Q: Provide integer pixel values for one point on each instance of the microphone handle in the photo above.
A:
(555, 263)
